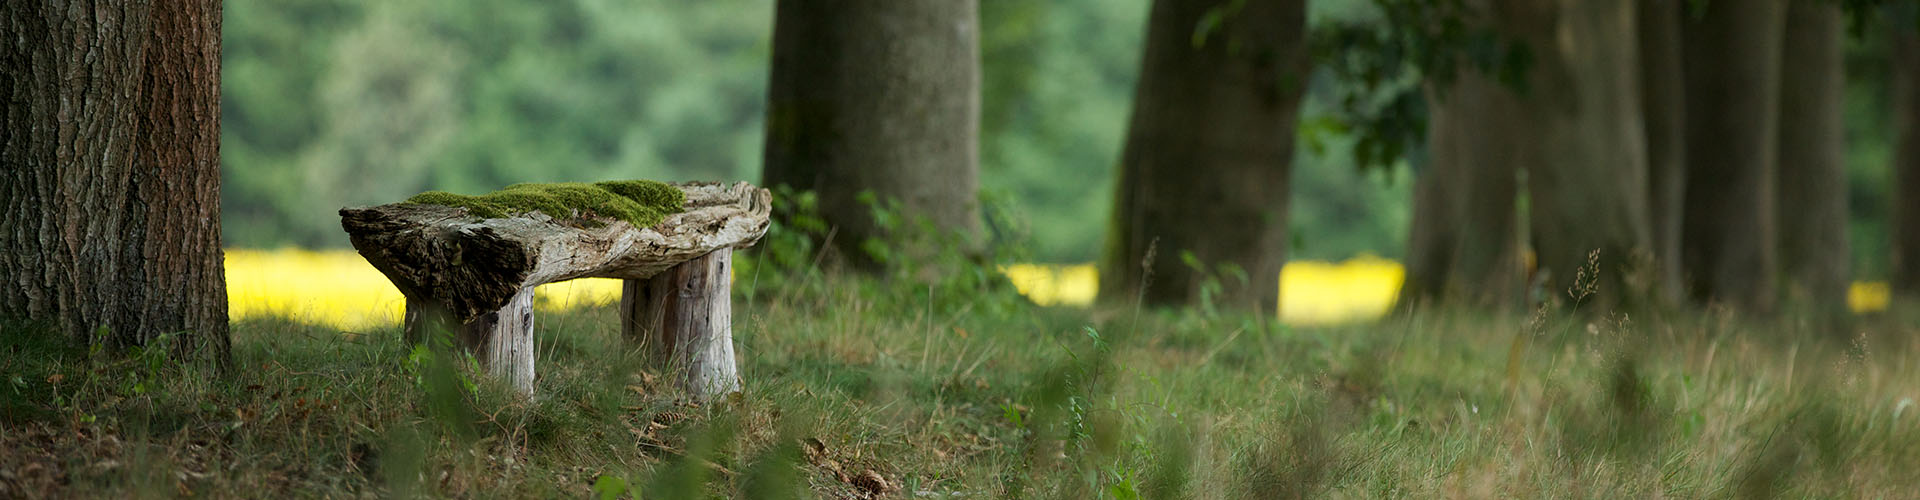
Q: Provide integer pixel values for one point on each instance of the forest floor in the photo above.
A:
(862, 388)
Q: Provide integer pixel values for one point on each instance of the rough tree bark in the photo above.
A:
(1208, 154)
(1732, 53)
(879, 96)
(1811, 203)
(1905, 52)
(111, 181)
(1663, 108)
(1587, 183)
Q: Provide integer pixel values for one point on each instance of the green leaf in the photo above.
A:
(609, 487)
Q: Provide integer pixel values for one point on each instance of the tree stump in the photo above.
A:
(684, 317)
(475, 277)
(502, 340)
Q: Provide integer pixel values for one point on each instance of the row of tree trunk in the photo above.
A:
(1655, 150)
(878, 100)
(1701, 153)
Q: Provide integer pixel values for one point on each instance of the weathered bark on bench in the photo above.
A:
(473, 266)
(479, 273)
(685, 319)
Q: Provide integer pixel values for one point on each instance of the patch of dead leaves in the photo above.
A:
(867, 481)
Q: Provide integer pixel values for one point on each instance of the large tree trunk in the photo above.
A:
(1812, 181)
(1208, 152)
(1588, 182)
(1664, 111)
(879, 96)
(1732, 52)
(110, 186)
(1464, 248)
(1573, 126)
(1906, 160)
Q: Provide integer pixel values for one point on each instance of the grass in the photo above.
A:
(947, 390)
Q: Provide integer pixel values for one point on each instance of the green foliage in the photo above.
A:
(1379, 59)
(944, 270)
(330, 103)
(641, 203)
(1870, 145)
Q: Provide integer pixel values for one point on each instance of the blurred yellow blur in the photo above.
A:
(339, 289)
(1311, 292)
(1868, 296)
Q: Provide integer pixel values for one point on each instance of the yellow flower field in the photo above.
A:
(1311, 292)
(338, 288)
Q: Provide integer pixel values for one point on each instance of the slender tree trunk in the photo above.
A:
(879, 96)
(1588, 180)
(1906, 161)
(1208, 152)
(111, 182)
(1732, 53)
(1663, 108)
(1812, 182)
(1464, 247)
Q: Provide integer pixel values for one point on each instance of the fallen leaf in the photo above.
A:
(872, 482)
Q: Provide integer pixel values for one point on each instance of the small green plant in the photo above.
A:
(1214, 281)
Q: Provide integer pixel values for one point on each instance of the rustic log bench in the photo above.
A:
(474, 276)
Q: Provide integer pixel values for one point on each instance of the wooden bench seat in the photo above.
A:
(475, 277)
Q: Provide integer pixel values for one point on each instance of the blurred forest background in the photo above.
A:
(358, 102)
(355, 102)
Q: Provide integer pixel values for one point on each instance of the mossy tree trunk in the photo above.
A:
(1732, 53)
(1208, 154)
(1905, 54)
(1812, 201)
(111, 182)
(1664, 113)
(880, 97)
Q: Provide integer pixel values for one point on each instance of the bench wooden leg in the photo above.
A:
(684, 315)
(501, 341)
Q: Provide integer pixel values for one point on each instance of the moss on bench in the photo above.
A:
(641, 203)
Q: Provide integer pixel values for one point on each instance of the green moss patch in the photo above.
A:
(641, 203)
